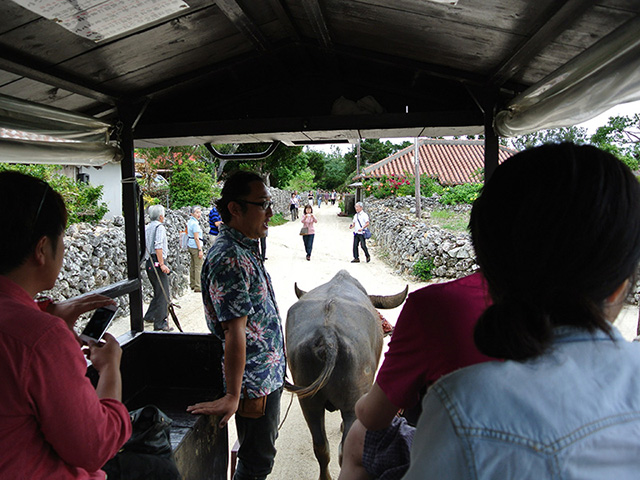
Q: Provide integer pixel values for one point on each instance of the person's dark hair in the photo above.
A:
(556, 230)
(237, 187)
(31, 209)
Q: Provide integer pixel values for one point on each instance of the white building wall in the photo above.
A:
(110, 177)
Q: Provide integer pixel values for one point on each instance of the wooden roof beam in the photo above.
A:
(234, 12)
(284, 18)
(550, 25)
(318, 22)
(38, 71)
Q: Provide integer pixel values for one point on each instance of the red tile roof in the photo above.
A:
(453, 162)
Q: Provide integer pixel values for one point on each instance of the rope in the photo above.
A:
(287, 412)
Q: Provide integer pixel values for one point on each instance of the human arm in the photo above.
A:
(374, 409)
(83, 430)
(437, 450)
(163, 267)
(69, 310)
(363, 221)
(196, 238)
(235, 343)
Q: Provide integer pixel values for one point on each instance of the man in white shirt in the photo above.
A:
(194, 231)
(360, 222)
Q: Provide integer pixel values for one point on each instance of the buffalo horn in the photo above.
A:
(299, 292)
(388, 301)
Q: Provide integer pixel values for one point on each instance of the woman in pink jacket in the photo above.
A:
(308, 219)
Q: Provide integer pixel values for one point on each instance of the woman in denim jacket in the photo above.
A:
(557, 235)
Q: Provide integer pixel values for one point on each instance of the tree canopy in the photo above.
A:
(277, 169)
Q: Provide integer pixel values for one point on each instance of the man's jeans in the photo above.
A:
(358, 238)
(257, 438)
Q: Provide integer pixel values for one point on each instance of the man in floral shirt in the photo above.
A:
(241, 310)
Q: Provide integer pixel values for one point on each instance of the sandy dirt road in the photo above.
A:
(286, 264)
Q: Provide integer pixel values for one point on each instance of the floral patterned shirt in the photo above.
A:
(235, 284)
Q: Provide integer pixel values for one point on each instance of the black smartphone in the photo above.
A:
(98, 324)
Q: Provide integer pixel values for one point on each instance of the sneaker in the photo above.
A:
(355, 260)
(308, 257)
(368, 259)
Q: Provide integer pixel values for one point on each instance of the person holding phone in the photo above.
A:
(53, 423)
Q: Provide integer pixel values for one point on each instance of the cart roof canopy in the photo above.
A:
(311, 71)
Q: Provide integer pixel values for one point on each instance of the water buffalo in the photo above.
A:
(334, 341)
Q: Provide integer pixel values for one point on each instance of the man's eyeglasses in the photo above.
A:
(44, 195)
(264, 205)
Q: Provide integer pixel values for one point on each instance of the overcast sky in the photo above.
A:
(591, 125)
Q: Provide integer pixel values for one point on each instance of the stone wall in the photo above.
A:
(406, 239)
(95, 255)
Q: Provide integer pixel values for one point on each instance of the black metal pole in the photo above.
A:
(130, 212)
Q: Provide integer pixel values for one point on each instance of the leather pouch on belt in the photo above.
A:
(252, 407)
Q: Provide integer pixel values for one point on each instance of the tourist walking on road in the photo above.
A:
(294, 204)
(360, 222)
(308, 219)
(194, 232)
(157, 270)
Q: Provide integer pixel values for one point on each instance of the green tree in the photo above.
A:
(190, 185)
(160, 161)
(302, 181)
(83, 200)
(578, 135)
(620, 137)
(335, 172)
(316, 161)
(277, 169)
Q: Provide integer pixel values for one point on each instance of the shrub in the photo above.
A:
(277, 219)
(429, 186)
(423, 268)
(392, 185)
(82, 200)
(190, 186)
(466, 193)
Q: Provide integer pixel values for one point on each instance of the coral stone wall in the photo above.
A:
(95, 255)
(407, 239)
